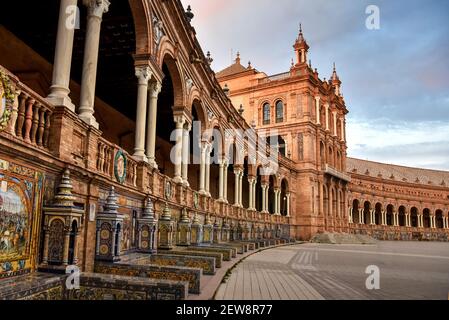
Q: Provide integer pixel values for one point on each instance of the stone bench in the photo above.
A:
(234, 249)
(227, 252)
(94, 286)
(218, 256)
(205, 263)
(190, 275)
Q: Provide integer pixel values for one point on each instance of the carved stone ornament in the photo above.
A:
(7, 96)
(120, 166)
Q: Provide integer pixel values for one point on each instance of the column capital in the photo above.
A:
(179, 120)
(143, 74)
(96, 8)
(154, 89)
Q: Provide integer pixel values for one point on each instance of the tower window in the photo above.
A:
(279, 111)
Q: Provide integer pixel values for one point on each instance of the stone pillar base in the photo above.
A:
(61, 101)
(90, 120)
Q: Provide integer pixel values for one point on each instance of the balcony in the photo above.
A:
(334, 172)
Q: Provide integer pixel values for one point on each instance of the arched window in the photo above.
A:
(266, 113)
(279, 111)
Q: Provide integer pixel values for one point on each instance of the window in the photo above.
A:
(279, 111)
(266, 113)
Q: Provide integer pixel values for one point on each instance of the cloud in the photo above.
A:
(394, 79)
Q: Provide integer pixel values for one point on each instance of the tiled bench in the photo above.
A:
(227, 252)
(190, 275)
(218, 256)
(205, 263)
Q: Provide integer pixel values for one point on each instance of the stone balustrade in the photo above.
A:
(30, 119)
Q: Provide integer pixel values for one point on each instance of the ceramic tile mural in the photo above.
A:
(20, 189)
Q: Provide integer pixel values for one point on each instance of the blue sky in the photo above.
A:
(395, 80)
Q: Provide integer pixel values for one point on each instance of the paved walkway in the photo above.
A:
(408, 270)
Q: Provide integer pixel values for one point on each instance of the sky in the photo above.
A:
(395, 79)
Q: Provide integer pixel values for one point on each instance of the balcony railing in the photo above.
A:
(30, 120)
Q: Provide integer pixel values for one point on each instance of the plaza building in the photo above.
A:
(102, 160)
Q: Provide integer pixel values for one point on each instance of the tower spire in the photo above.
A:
(301, 48)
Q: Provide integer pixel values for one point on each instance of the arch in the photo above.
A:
(367, 212)
(176, 77)
(390, 211)
(439, 222)
(414, 217)
(401, 216)
(143, 26)
(330, 156)
(426, 218)
(378, 213)
(279, 111)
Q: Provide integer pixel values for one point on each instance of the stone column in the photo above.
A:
(179, 123)
(143, 75)
(65, 255)
(264, 194)
(154, 90)
(267, 189)
(225, 182)
(186, 154)
(221, 181)
(317, 108)
(254, 193)
(361, 216)
(237, 184)
(207, 174)
(373, 217)
(277, 194)
(250, 195)
(240, 188)
(432, 222)
(288, 204)
(46, 242)
(327, 116)
(59, 90)
(203, 168)
(75, 248)
(95, 9)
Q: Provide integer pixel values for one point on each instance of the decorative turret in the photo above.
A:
(335, 80)
(64, 197)
(61, 219)
(196, 231)
(109, 230)
(166, 227)
(147, 226)
(301, 48)
(184, 229)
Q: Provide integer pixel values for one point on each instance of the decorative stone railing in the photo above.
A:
(30, 119)
(107, 163)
